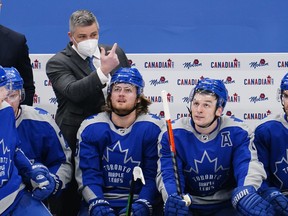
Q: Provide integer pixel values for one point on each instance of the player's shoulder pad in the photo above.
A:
(235, 118)
(271, 120)
(40, 111)
(102, 117)
(152, 118)
(35, 113)
(183, 122)
(227, 121)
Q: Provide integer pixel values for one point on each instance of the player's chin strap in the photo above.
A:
(18, 112)
(205, 126)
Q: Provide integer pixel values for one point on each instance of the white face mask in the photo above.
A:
(87, 47)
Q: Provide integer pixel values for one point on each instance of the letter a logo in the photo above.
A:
(226, 141)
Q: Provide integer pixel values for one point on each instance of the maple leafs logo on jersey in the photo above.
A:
(206, 164)
(207, 175)
(4, 148)
(281, 171)
(121, 154)
(4, 162)
(118, 166)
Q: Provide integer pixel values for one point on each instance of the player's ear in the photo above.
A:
(138, 99)
(219, 111)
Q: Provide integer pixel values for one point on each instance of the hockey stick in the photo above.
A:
(137, 174)
(172, 146)
(171, 139)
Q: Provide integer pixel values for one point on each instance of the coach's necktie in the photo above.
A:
(90, 62)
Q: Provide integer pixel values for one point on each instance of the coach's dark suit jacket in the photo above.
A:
(78, 89)
(14, 53)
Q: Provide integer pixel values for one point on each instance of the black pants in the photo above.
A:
(68, 204)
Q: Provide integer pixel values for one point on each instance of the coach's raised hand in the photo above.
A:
(110, 61)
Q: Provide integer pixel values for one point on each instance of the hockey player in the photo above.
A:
(112, 143)
(41, 139)
(271, 140)
(15, 200)
(216, 159)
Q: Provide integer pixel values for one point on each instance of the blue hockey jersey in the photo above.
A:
(106, 157)
(42, 142)
(209, 166)
(271, 140)
(12, 160)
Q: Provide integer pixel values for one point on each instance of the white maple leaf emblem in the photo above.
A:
(125, 152)
(212, 162)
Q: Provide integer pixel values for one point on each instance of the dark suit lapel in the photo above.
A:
(77, 60)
